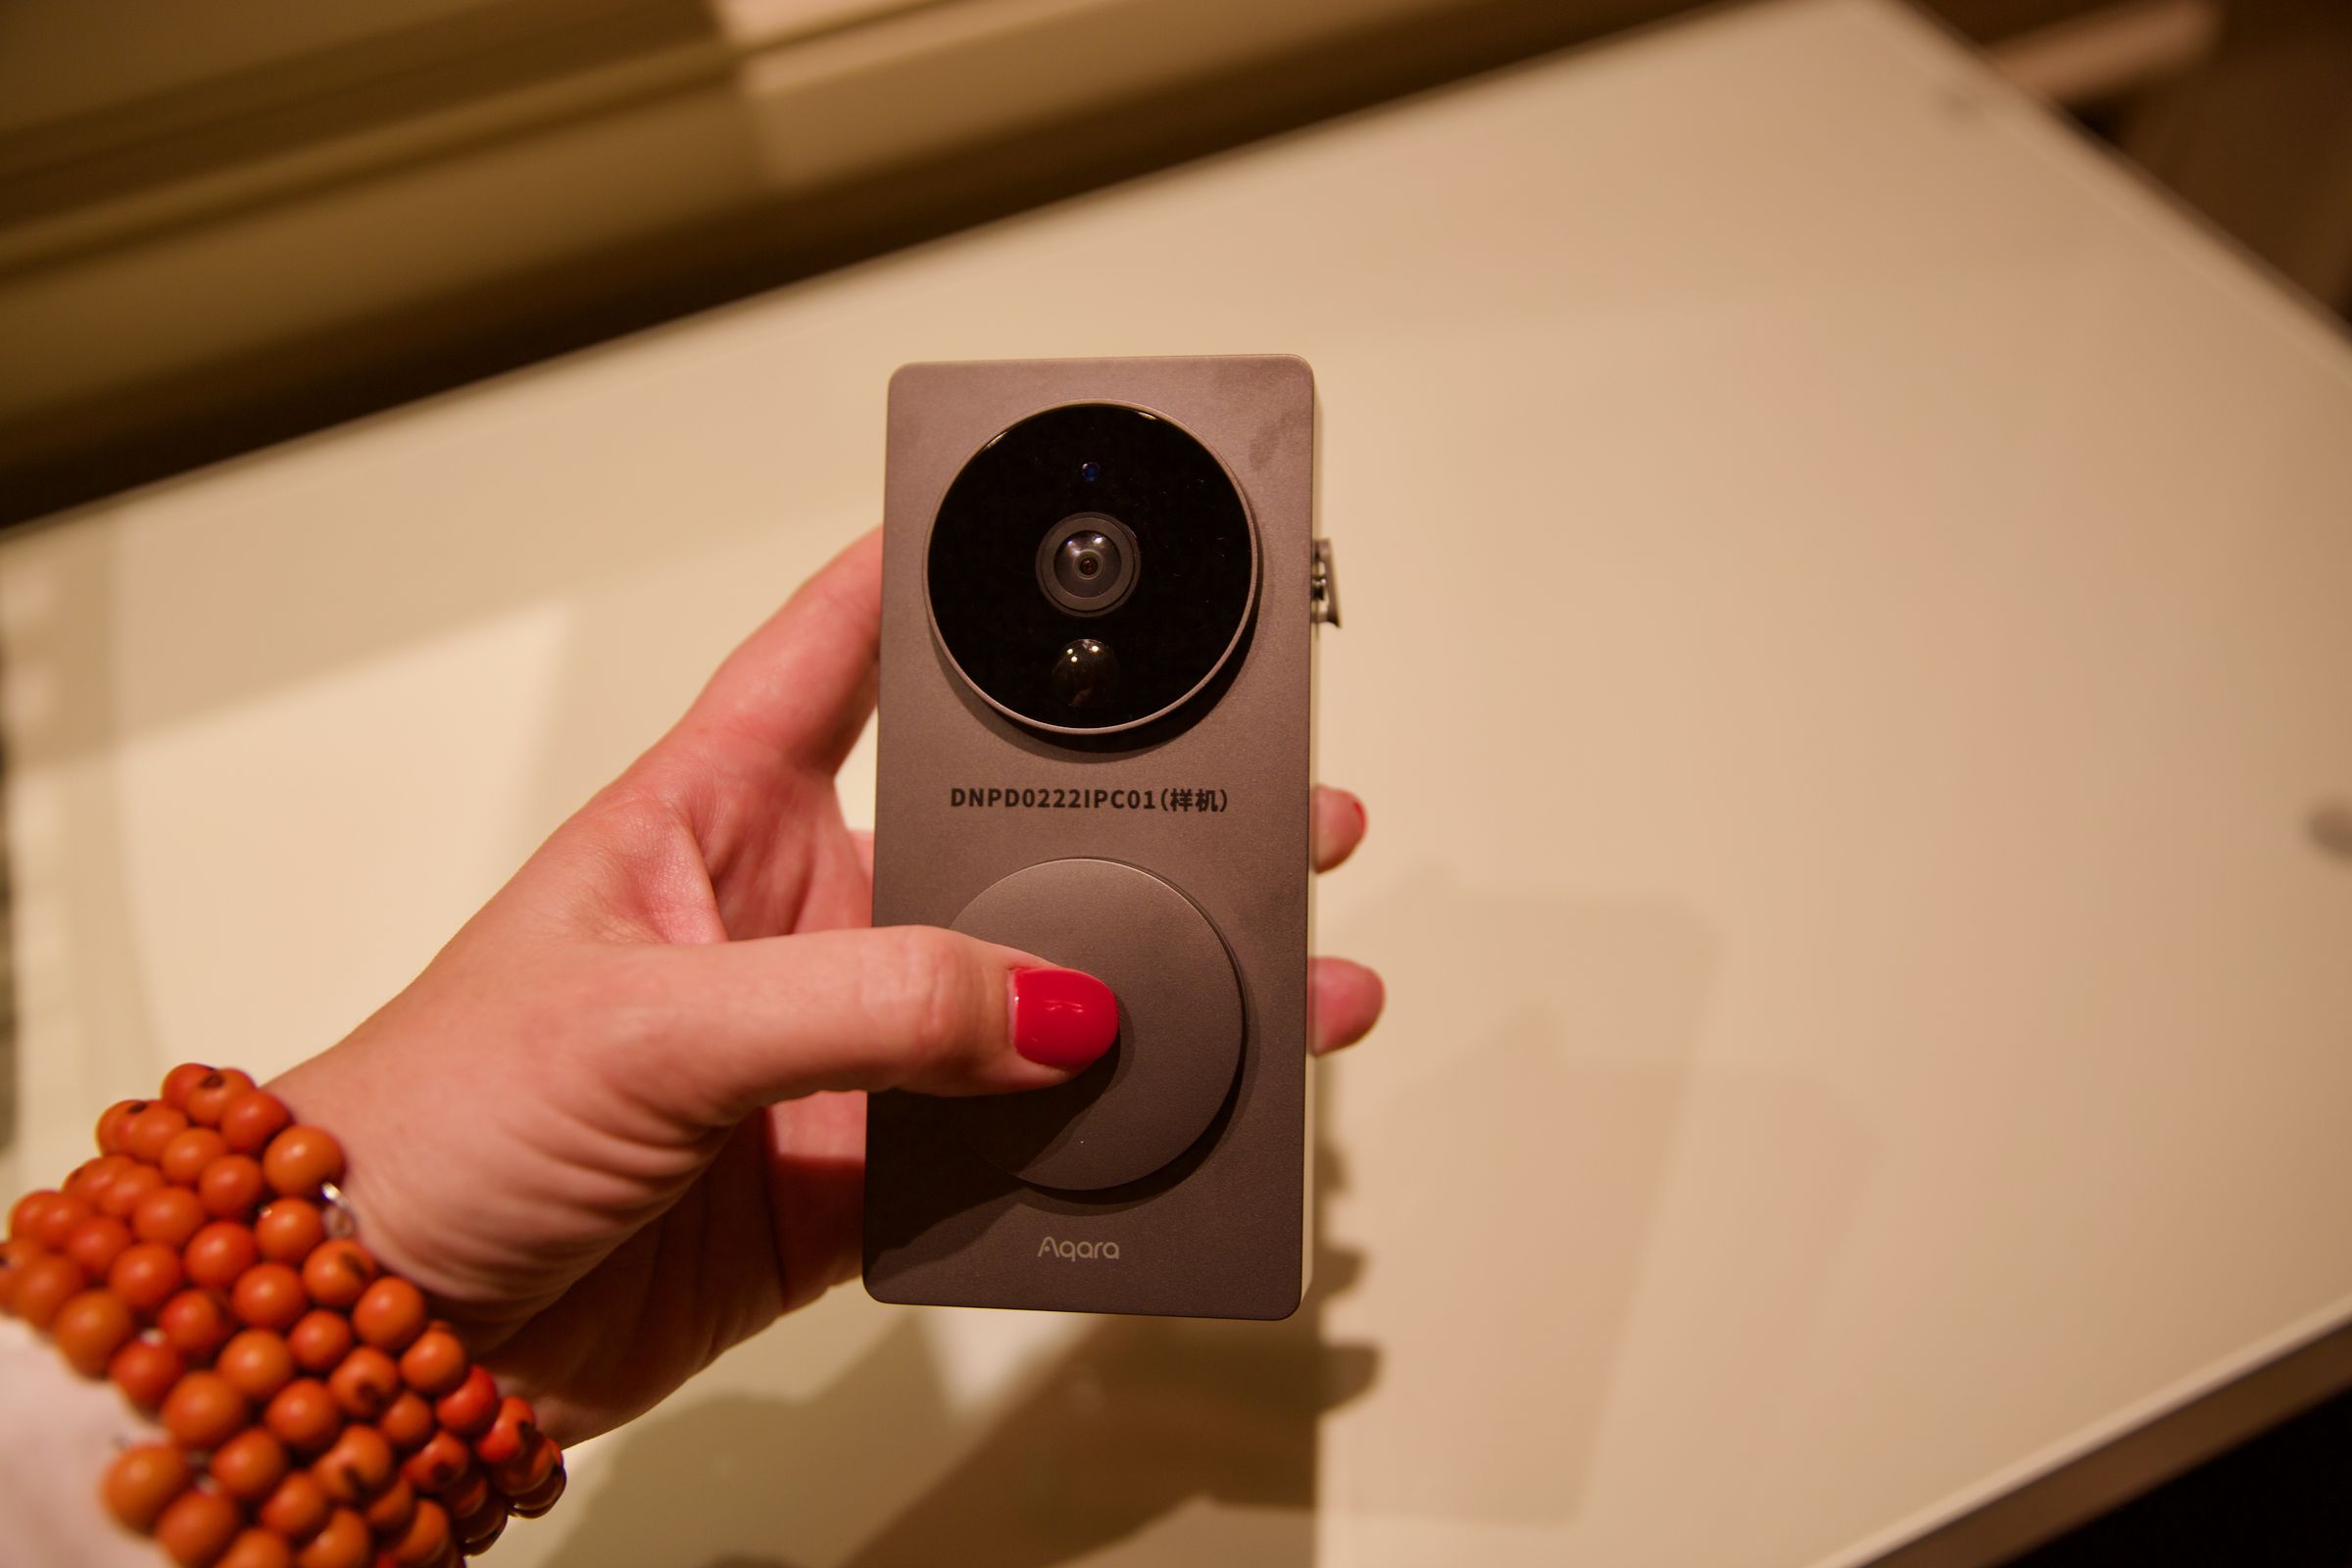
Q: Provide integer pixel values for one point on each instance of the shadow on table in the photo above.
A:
(1513, 1152)
(1138, 1419)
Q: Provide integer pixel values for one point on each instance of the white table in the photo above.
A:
(1850, 627)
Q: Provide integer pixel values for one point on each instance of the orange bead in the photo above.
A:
(218, 1254)
(151, 1130)
(389, 1514)
(90, 1328)
(230, 1186)
(196, 1323)
(215, 1093)
(359, 1465)
(269, 1295)
(257, 1549)
(365, 1384)
(205, 1411)
(298, 1508)
(428, 1538)
(407, 1421)
(16, 1254)
(141, 1481)
(344, 1543)
(471, 1496)
(129, 1189)
(249, 1465)
(288, 1229)
(471, 1406)
(541, 1497)
(26, 1213)
(439, 1464)
(390, 1315)
(510, 1435)
(178, 1081)
(337, 1273)
(169, 1215)
(302, 1158)
(90, 1181)
(479, 1534)
(146, 1275)
(258, 1364)
(23, 1212)
(97, 1243)
(114, 1125)
(145, 1370)
(57, 1218)
(44, 1285)
(251, 1119)
(185, 1156)
(435, 1363)
(523, 1474)
(304, 1416)
(321, 1341)
(196, 1527)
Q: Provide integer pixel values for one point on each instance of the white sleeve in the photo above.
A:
(57, 1432)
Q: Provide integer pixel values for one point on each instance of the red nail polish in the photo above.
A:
(1061, 1017)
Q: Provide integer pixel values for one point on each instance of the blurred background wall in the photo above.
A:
(222, 224)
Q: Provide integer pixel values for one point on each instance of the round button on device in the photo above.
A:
(1160, 1085)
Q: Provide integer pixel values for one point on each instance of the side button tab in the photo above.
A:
(1323, 587)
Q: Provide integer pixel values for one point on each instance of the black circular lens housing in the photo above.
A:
(1085, 506)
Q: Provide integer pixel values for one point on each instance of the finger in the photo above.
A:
(1347, 1000)
(1339, 826)
(739, 1025)
(801, 688)
(862, 840)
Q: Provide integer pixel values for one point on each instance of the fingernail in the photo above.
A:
(1061, 1017)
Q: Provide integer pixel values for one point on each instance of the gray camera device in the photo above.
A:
(1100, 590)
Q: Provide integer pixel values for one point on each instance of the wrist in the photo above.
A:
(309, 1407)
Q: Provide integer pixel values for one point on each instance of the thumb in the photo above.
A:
(739, 1025)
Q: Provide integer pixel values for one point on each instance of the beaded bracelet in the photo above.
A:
(315, 1417)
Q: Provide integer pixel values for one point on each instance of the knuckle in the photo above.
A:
(931, 993)
(629, 814)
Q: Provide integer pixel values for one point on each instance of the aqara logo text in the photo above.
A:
(1072, 1251)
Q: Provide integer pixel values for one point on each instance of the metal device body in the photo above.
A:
(1171, 858)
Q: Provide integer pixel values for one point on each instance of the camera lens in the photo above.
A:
(1088, 564)
(1080, 530)
(1085, 674)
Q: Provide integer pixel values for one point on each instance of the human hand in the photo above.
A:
(617, 1124)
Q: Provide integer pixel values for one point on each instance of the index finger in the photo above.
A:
(1339, 826)
(798, 691)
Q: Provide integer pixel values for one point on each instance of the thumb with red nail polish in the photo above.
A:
(740, 1025)
(1063, 1017)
